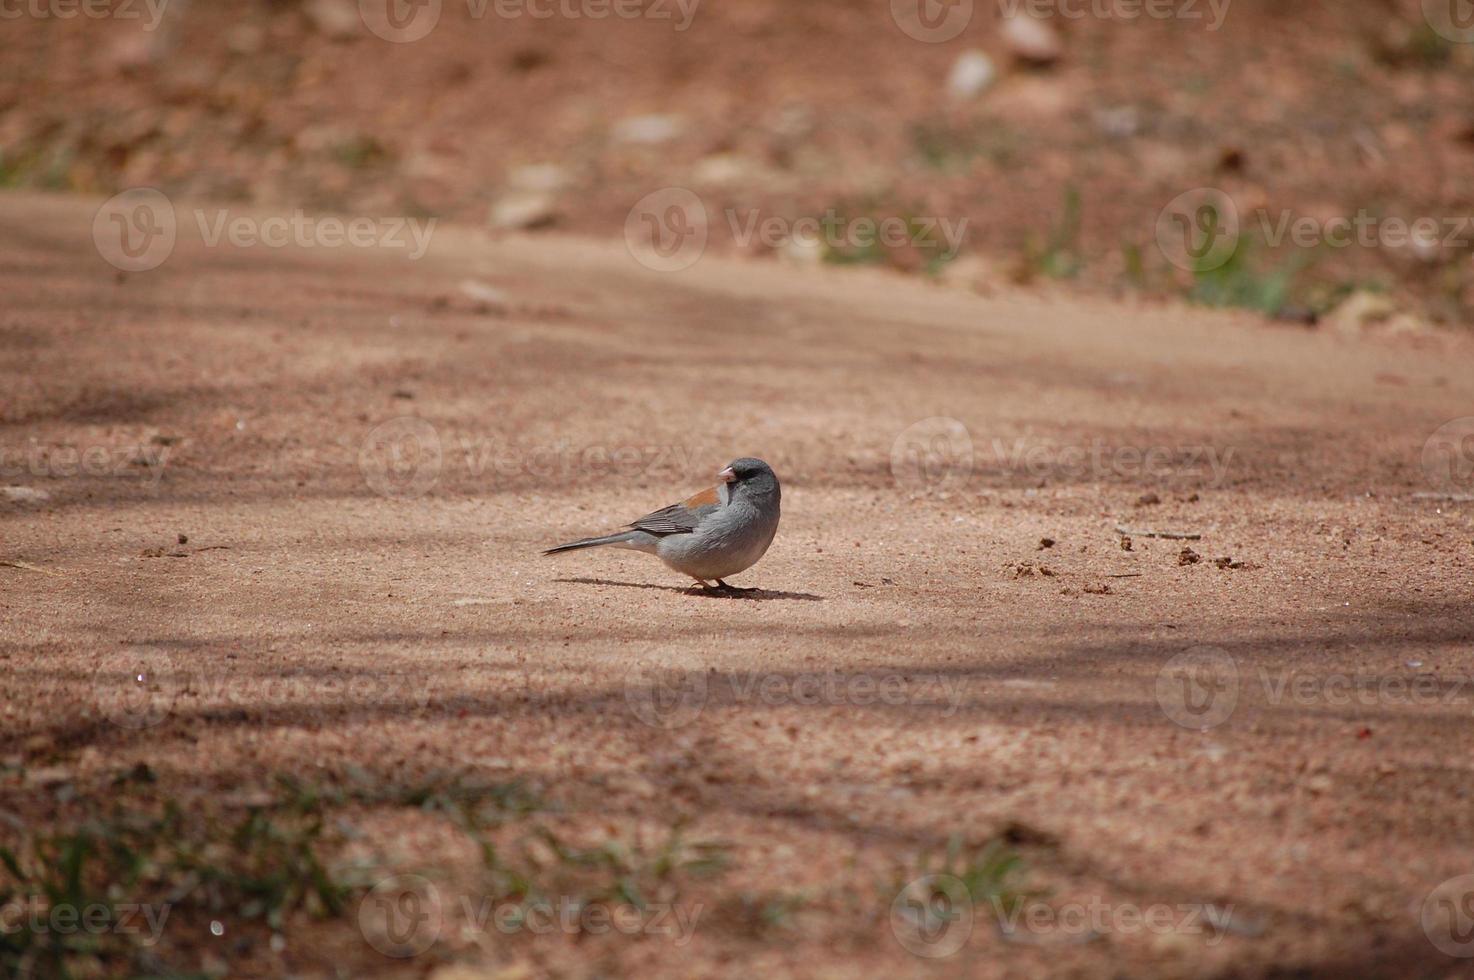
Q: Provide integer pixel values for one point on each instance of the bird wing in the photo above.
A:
(683, 517)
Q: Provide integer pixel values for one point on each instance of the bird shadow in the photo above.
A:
(756, 595)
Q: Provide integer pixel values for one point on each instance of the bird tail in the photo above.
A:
(624, 537)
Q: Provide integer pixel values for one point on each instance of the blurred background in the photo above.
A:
(1059, 129)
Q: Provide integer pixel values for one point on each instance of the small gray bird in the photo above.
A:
(712, 534)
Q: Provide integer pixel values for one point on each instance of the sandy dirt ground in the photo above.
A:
(302, 494)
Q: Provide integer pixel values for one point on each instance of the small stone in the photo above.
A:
(481, 292)
(135, 50)
(336, 19)
(24, 495)
(1360, 310)
(538, 177)
(647, 129)
(244, 39)
(1031, 40)
(524, 211)
(803, 251)
(974, 273)
(1187, 556)
(50, 776)
(971, 73)
(1408, 324)
(1118, 121)
(721, 169)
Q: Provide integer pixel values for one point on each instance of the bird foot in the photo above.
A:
(720, 588)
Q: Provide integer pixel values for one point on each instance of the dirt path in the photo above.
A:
(365, 460)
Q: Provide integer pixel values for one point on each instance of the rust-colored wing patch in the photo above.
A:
(702, 498)
(681, 518)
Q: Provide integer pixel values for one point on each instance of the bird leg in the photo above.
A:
(732, 588)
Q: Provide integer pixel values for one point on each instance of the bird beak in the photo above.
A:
(726, 475)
